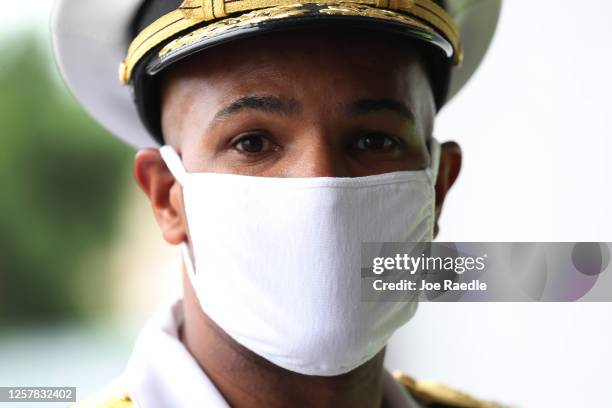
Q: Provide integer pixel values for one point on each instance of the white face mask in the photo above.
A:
(278, 265)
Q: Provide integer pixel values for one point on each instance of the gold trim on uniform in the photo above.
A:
(190, 13)
(431, 393)
(106, 399)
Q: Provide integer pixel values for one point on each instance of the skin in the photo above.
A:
(288, 106)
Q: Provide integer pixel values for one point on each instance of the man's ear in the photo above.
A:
(164, 192)
(450, 166)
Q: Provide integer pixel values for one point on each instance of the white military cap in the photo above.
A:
(110, 52)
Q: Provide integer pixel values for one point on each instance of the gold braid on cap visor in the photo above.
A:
(424, 14)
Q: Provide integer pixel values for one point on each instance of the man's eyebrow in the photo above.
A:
(263, 103)
(365, 106)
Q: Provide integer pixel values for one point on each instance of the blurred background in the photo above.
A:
(82, 264)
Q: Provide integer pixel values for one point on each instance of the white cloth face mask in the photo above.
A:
(277, 261)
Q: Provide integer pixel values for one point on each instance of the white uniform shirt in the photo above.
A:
(161, 373)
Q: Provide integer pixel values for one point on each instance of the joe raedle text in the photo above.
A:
(447, 285)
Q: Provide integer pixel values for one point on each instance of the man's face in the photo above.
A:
(301, 104)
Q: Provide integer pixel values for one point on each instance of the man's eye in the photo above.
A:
(252, 143)
(376, 141)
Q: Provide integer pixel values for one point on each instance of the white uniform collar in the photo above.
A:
(161, 372)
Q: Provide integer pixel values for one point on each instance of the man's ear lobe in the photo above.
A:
(164, 194)
(450, 166)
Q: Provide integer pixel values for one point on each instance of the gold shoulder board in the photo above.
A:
(107, 398)
(431, 393)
